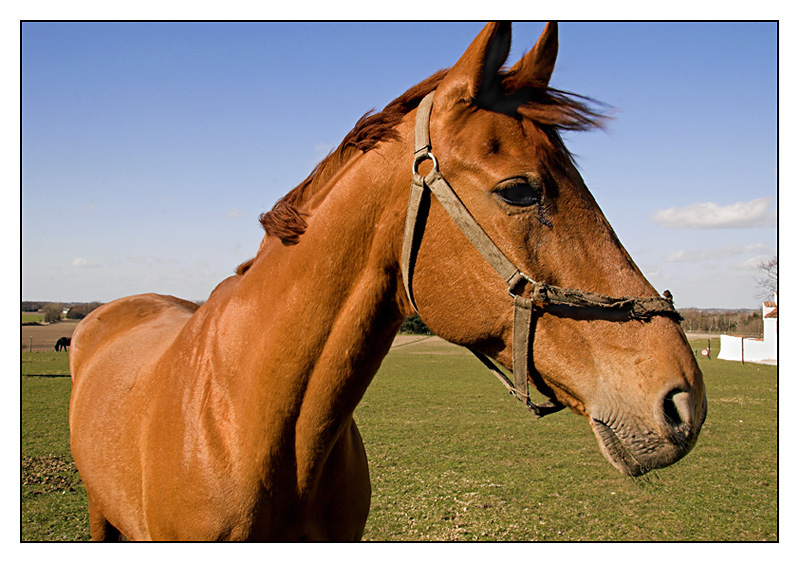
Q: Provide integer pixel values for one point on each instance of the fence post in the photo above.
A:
(30, 345)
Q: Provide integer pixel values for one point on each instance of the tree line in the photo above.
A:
(743, 322)
(54, 311)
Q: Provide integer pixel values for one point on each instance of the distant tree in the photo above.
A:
(52, 312)
(746, 322)
(415, 326)
(767, 277)
(82, 310)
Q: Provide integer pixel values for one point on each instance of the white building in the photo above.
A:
(755, 350)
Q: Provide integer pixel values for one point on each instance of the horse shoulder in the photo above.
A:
(118, 320)
(113, 347)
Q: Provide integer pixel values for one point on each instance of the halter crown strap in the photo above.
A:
(452, 204)
(450, 201)
(541, 295)
(422, 132)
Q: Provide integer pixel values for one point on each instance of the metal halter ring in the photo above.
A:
(520, 277)
(424, 157)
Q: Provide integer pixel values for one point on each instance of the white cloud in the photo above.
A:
(750, 264)
(234, 213)
(708, 215)
(714, 254)
(84, 262)
(322, 148)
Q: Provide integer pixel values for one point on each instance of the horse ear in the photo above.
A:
(475, 78)
(536, 67)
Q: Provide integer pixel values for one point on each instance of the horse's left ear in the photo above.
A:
(536, 67)
(475, 78)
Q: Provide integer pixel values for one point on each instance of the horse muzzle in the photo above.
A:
(636, 445)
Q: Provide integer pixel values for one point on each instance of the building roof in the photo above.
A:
(773, 314)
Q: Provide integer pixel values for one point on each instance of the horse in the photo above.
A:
(234, 420)
(62, 344)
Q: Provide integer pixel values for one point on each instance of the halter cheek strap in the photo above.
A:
(523, 307)
(540, 296)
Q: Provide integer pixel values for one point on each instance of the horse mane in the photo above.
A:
(551, 109)
(287, 220)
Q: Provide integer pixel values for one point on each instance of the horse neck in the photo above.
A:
(308, 325)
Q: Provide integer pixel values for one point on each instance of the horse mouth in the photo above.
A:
(615, 451)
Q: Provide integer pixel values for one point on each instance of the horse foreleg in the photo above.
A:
(346, 491)
(100, 528)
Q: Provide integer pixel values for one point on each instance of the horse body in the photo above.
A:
(234, 420)
(241, 424)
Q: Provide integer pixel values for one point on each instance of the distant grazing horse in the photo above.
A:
(62, 344)
(234, 420)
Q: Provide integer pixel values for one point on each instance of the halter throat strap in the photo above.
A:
(539, 295)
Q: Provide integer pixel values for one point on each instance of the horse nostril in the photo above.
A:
(678, 409)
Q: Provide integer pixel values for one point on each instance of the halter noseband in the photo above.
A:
(541, 296)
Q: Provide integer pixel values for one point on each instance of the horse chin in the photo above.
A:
(615, 451)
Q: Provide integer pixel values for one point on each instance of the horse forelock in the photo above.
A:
(552, 110)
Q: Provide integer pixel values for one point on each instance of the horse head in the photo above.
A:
(494, 134)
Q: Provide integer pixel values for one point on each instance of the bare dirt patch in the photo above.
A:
(424, 344)
(45, 474)
(44, 337)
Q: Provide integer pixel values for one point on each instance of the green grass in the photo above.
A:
(52, 496)
(45, 364)
(453, 456)
(28, 317)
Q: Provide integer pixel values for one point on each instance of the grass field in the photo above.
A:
(32, 317)
(454, 457)
(52, 495)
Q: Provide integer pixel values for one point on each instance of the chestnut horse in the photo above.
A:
(234, 420)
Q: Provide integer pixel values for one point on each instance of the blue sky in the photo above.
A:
(149, 150)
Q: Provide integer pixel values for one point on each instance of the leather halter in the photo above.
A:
(541, 296)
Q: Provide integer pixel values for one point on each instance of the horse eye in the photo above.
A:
(519, 192)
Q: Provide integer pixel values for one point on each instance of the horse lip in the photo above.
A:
(615, 451)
